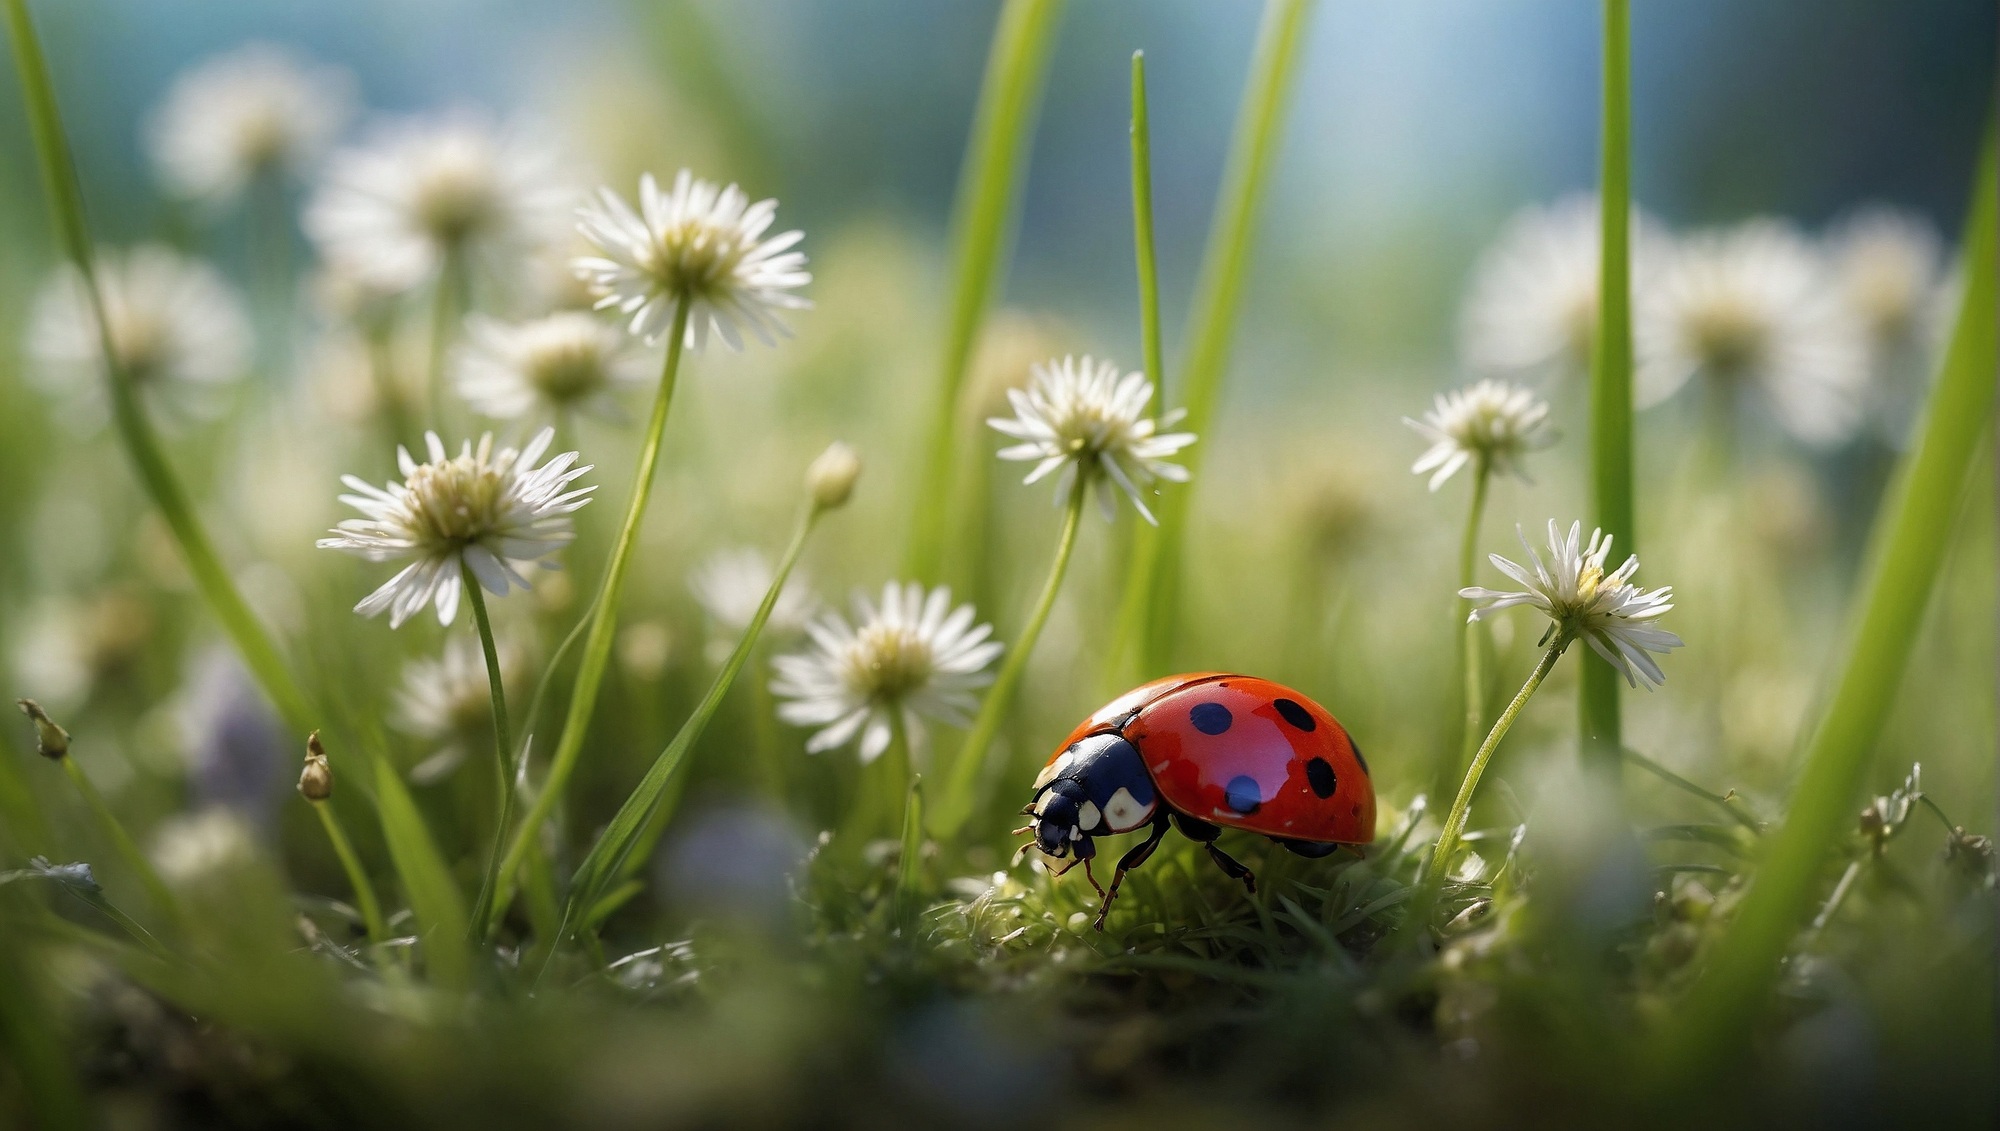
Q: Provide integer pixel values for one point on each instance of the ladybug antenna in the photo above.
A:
(1023, 829)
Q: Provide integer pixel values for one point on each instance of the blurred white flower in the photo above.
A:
(1754, 306)
(732, 583)
(1888, 268)
(1082, 417)
(259, 110)
(1584, 602)
(491, 511)
(391, 210)
(1488, 420)
(566, 360)
(697, 245)
(447, 701)
(177, 329)
(1531, 309)
(202, 846)
(912, 654)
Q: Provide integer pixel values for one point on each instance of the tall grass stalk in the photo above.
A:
(961, 796)
(1143, 640)
(629, 835)
(503, 743)
(357, 876)
(989, 187)
(1611, 371)
(1153, 352)
(428, 884)
(59, 182)
(121, 841)
(447, 309)
(1906, 551)
(910, 864)
(603, 630)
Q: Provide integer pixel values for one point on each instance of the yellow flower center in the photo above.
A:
(889, 661)
(456, 502)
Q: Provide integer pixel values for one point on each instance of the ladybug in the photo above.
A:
(1202, 751)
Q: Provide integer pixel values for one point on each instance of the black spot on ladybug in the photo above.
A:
(1242, 794)
(1210, 718)
(1319, 775)
(1356, 747)
(1295, 714)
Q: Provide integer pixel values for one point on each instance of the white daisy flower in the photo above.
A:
(1586, 603)
(177, 328)
(257, 111)
(1753, 306)
(391, 210)
(912, 654)
(448, 701)
(695, 244)
(491, 511)
(1888, 268)
(566, 360)
(1489, 420)
(731, 585)
(1531, 308)
(1081, 417)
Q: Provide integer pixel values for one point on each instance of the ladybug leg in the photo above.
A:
(1139, 854)
(1206, 833)
(1092, 877)
(1232, 867)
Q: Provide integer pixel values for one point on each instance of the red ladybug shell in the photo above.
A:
(1245, 753)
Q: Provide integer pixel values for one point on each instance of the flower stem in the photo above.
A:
(503, 742)
(1454, 822)
(1469, 630)
(65, 199)
(603, 628)
(989, 185)
(910, 863)
(961, 791)
(364, 890)
(122, 841)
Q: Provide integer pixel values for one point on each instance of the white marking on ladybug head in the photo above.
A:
(1124, 812)
(1086, 815)
(1075, 833)
(1055, 768)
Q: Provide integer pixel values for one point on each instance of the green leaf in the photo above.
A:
(615, 846)
(1907, 549)
(989, 189)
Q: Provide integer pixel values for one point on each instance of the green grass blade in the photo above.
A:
(603, 619)
(65, 198)
(1911, 536)
(29, 1041)
(1145, 621)
(989, 187)
(1611, 371)
(609, 857)
(1153, 353)
(427, 882)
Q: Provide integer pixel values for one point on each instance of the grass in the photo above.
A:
(1611, 458)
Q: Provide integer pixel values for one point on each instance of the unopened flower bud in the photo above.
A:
(51, 741)
(316, 780)
(831, 477)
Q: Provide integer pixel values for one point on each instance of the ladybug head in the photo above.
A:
(1057, 819)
